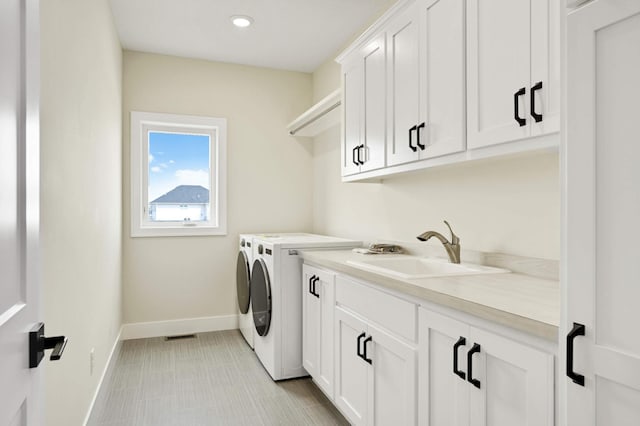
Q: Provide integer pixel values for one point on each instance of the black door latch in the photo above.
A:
(38, 344)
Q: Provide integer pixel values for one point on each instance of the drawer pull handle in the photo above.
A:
(473, 350)
(461, 342)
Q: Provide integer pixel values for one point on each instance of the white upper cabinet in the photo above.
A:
(426, 81)
(513, 70)
(403, 90)
(364, 130)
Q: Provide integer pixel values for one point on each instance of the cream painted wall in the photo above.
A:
(507, 205)
(81, 192)
(269, 179)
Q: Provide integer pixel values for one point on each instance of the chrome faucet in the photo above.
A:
(452, 248)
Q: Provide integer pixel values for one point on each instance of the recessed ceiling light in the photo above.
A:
(241, 21)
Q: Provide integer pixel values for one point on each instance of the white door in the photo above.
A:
(443, 386)
(404, 92)
(351, 368)
(498, 71)
(602, 209)
(511, 384)
(19, 194)
(442, 77)
(392, 379)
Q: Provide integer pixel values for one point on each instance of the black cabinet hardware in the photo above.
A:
(473, 350)
(38, 344)
(577, 330)
(536, 116)
(411, 130)
(364, 354)
(353, 155)
(313, 287)
(516, 107)
(361, 160)
(359, 341)
(420, 126)
(311, 283)
(461, 342)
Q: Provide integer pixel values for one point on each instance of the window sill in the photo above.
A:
(178, 231)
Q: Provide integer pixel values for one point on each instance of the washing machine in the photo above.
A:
(276, 297)
(243, 287)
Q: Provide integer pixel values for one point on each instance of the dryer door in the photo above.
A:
(243, 282)
(261, 297)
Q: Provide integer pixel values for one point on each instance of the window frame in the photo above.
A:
(144, 122)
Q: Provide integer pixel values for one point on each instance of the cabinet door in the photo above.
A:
(374, 117)
(545, 67)
(498, 67)
(404, 91)
(325, 288)
(603, 206)
(444, 395)
(352, 100)
(351, 370)
(317, 337)
(515, 382)
(311, 323)
(392, 380)
(442, 76)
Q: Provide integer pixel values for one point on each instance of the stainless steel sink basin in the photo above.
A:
(411, 267)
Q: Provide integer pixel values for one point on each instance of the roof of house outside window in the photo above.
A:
(184, 194)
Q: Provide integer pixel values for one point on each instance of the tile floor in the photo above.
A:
(215, 379)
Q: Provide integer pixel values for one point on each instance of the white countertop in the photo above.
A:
(519, 301)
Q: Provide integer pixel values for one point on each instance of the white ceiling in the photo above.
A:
(296, 35)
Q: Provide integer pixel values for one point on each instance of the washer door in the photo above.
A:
(261, 297)
(243, 282)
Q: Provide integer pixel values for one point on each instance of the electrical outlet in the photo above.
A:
(92, 354)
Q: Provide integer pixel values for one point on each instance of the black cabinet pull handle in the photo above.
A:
(461, 342)
(421, 126)
(536, 116)
(473, 350)
(353, 156)
(364, 355)
(358, 349)
(313, 287)
(516, 107)
(411, 130)
(577, 330)
(310, 283)
(360, 160)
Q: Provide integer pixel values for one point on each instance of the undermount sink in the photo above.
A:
(410, 267)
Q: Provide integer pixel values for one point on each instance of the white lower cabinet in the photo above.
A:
(375, 373)
(470, 376)
(317, 322)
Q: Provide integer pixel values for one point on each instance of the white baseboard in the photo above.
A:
(107, 368)
(141, 330)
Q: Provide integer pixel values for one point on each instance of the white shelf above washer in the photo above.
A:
(320, 117)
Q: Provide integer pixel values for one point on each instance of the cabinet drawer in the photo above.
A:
(393, 313)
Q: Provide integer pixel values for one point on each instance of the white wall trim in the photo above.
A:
(107, 367)
(140, 330)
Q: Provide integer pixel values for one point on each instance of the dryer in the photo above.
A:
(276, 297)
(243, 287)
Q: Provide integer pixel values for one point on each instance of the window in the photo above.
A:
(178, 175)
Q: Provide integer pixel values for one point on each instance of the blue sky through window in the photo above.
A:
(177, 159)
